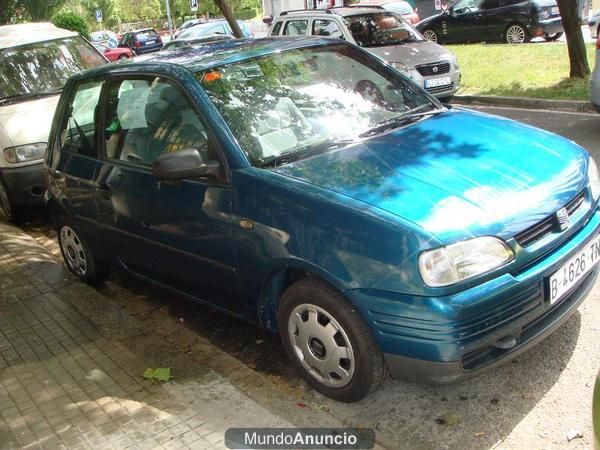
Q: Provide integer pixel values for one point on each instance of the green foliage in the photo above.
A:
(71, 21)
(39, 10)
(159, 374)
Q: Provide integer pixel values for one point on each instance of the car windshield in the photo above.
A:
(291, 104)
(42, 68)
(203, 30)
(381, 29)
(146, 35)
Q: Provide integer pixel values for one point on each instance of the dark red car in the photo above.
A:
(114, 54)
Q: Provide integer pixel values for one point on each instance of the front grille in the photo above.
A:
(438, 68)
(548, 225)
(435, 90)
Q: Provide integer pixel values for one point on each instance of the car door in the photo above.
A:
(175, 233)
(464, 22)
(497, 17)
(327, 28)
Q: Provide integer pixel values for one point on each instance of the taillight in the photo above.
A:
(598, 42)
(137, 45)
(414, 18)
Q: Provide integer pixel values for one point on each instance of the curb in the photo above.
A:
(525, 102)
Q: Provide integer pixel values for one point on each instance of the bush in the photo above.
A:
(71, 21)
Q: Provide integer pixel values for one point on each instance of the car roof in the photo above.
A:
(343, 11)
(141, 30)
(212, 54)
(29, 33)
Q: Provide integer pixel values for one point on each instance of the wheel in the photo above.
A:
(10, 210)
(553, 37)
(430, 35)
(77, 253)
(370, 92)
(123, 57)
(516, 34)
(446, 99)
(328, 342)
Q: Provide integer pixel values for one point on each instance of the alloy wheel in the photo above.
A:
(73, 250)
(515, 34)
(321, 345)
(430, 35)
(4, 201)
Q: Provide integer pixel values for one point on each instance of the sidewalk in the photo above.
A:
(68, 383)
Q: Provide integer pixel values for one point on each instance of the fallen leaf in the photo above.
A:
(159, 374)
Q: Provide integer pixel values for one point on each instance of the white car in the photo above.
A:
(594, 24)
(595, 79)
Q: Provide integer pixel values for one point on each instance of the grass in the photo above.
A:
(538, 70)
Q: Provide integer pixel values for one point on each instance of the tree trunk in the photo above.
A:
(576, 45)
(225, 8)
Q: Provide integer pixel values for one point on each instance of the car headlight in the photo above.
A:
(25, 153)
(544, 14)
(402, 68)
(457, 262)
(593, 178)
(454, 61)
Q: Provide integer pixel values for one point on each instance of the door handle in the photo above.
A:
(104, 189)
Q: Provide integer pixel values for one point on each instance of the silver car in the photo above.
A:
(594, 24)
(384, 34)
(595, 79)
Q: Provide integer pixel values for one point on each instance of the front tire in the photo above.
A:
(430, 35)
(328, 342)
(123, 57)
(516, 34)
(77, 253)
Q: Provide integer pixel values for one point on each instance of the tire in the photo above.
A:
(430, 35)
(123, 57)
(446, 99)
(77, 253)
(12, 212)
(516, 34)
(321, 331)
(553, 37)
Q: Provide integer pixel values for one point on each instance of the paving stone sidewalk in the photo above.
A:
(66, 384)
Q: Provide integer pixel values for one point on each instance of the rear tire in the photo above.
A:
(516, 34)
(430, 35)
(123, 57)
(77, 253)
(328, 342)
(12, 212)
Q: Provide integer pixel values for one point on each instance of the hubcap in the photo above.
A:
(73, 251)
(321, 345)
(4, 202)
(515, 35)
(430, 36)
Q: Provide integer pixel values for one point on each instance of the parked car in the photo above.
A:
(35, 61)
(186, 25)
(399, 7)
(187, 43)
(114, 54)
(510, 21)
(214, 27)
(384, 34)
(142, 41)
(594, 24)
(104, 37)
(595, 79)
(305, 185)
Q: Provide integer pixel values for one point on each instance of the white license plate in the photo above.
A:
(554, 10)
(435, 82)
(150, 42)
(574, 270)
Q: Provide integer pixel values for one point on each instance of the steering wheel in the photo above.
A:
(370, 92)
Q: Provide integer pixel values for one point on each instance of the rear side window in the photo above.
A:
(79, 131)
(146, 35)
(276, 29)
(147, 117)
(295, 28)
(327, 28)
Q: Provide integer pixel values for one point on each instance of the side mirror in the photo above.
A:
(186, 163)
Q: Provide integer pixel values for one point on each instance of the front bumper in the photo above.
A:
(439, 91)
(446, 339)
(543, 27)
(25, 184)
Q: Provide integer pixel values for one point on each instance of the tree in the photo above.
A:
(40, 10)
(227, 12)
(7, 10)
(576, 46)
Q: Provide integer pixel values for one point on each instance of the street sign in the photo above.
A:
(98, 15)
(194, 5)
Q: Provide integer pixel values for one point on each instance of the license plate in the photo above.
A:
(150, 42)
(554, 10)
(574, 270)
(436, 82)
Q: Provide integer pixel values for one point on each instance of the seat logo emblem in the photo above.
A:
(435, 69)
(562, 218)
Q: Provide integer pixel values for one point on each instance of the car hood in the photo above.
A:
(412, 53)
(456, 175)
(29, 121)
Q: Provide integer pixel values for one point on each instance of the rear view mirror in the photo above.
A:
(183, 164)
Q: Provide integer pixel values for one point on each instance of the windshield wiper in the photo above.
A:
(305, 152)
(400, 120)
(29, 96)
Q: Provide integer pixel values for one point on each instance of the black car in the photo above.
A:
(511, 21)
(142, 41)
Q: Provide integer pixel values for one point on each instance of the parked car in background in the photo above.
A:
(399, 7)
(142, 41)
(114, 54)
(214, 27)
(510, 21)
(35, 61)
(104, 37)
(373, 229)
(384, 34)
(595, 79)
(193, 42)
(594, 24)
(186, 25)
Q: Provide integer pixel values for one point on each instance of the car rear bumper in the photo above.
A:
(550, 27)
(446, 339)
(25, 185)
(149, 49)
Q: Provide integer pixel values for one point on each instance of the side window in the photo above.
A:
(295, 28)
(276, 29)
(327, 28)
(147, 117)
(80, 131)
